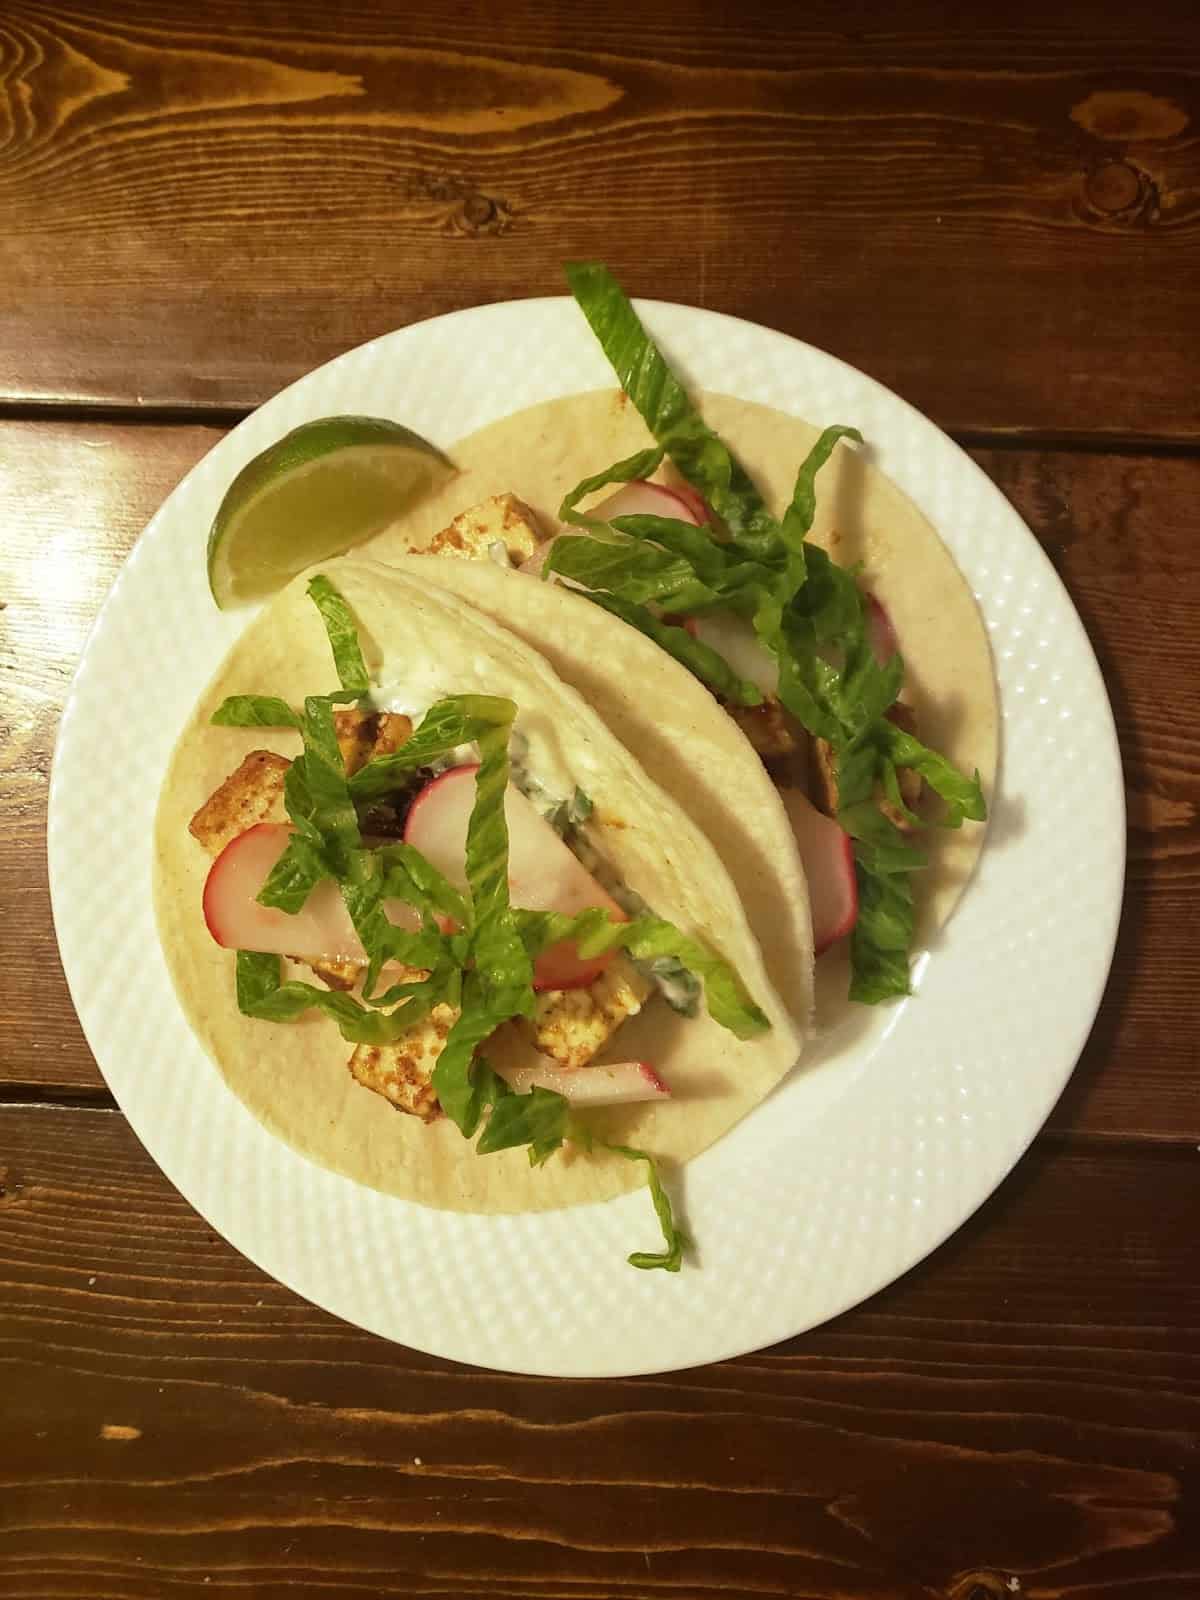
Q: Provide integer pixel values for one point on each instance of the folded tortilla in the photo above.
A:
(419, 640)
(661, 713)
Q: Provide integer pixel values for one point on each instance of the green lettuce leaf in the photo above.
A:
(630, 470)
(963, 796)
(543, 1121)
(646, 938)
(262, 994)
(342, 632)
(254, 711)
(500, 986)
(700, 455)
(294, 876)
(457, 720)
(798, 518)
(675, 1238)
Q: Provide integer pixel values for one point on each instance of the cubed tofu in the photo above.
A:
(252, 794)
(501, 519)
(768, 727)
(573, 1025)
(363, 735)
(403, 1072)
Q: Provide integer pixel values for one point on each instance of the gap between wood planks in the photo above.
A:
(1058, 440)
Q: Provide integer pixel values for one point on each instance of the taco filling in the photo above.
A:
(435, 861)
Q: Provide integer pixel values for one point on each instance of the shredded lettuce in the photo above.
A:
(806, 611)
(704, 459)
(262, 993)
(646, 938)
(254, 711)
(459, 719)
(542, 1120)
(342, 633)
(473, 952)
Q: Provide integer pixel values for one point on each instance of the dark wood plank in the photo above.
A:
(997, 217)
(1120, 528)
(1026, 1404)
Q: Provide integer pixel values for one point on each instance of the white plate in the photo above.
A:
(855, 1169)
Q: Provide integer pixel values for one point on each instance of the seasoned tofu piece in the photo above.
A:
(252, 794)
(363, 735)
(402, 1072)
(768, 727)
(573, 1025)
(501, 519)
(824, 778)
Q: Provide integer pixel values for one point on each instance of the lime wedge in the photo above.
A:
(322, 488)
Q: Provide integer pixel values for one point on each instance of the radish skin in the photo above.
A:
(616, 1083)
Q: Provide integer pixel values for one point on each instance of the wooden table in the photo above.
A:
(1000, 220)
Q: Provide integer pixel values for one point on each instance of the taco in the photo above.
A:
(445, 721)
(880, 734)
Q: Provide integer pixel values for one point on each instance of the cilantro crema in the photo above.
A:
(805, 610)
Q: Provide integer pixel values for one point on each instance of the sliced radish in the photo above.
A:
(642, 499)
(733, 638)
(616, 1083)
(695, 502)
(827, 852)
(881, 636)
(543, 875)
(320, 931)
(533, 564)
(637, 499)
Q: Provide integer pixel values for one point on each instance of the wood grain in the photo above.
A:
(1026, 1404)
(1120, 529)
(1000, 218)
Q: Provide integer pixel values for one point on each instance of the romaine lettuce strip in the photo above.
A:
(543, 1121)
(631, 470)
(294, 876)
(646, 938)
(798, 518)
(806, 608)
(254, 711)
(457, 720)
(700, 455)
(882, 934)
(638, 572)
(963, 796)
(500, 985)
(262, 994)
(342, 633)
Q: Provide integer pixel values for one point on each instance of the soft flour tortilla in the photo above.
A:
(295, 1079)
(656, 707)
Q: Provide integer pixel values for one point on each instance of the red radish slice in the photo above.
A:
(534, 563)
(543, 875)
(881, 636)
(616, 1083)
(637, 499)
(827, 852)
(642, 499)
(734, 638)
(320, 931)
(695, 502)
